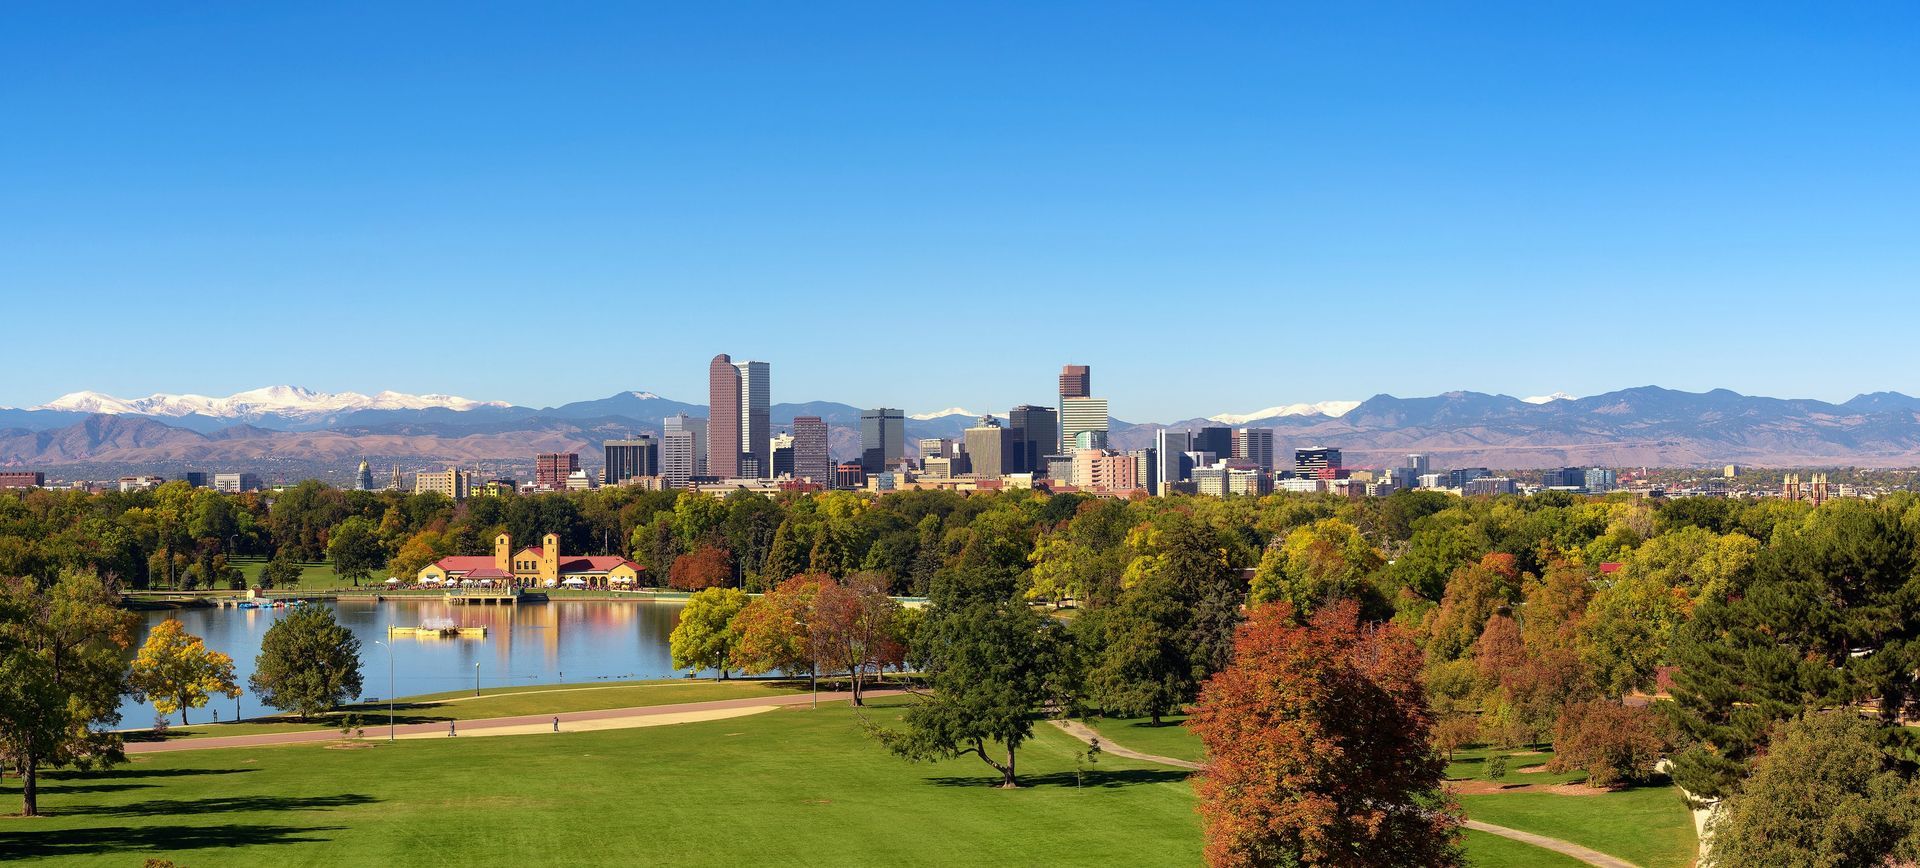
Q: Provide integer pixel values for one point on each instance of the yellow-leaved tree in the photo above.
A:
(176, 669)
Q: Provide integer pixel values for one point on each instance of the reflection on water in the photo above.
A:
(530, 644)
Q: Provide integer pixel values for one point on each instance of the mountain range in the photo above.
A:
(1647, 425)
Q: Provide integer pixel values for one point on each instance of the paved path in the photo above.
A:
(526, 724)
(1087, 734)
(1566, 848)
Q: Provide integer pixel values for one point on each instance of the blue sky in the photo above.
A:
(1219, 207)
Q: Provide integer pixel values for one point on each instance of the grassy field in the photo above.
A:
(313, 577)
(1648, 826)
(1492, 851)
(514, 701)
(1170, 738)
(789, 787)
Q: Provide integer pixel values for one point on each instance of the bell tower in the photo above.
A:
(503, 553)
(550, 557)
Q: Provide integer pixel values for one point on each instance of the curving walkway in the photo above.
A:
(1565, 848)
(525, 724)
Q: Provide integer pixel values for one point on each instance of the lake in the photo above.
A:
(539, 643)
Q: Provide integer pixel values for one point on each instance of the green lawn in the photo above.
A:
(1648, 826)
(788, 787)
(1170, 738)
(313, 577)
(1492, 851)
(513, 701)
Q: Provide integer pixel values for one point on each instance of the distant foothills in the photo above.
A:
(1644, 426)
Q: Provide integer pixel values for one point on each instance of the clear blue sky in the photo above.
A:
(914, 204)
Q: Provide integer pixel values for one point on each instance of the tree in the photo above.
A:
(1824, 794)
(354, 548)
(1320, 746)
(308, 664)
(992, 668)
(62, 671)
(705, 637)
(280, 573)
(179, 672)
(1628, 629)
(1613, 743)
(705, 567)
(851, 627)
(1317, 563)
(1139, 664)
(773, 628)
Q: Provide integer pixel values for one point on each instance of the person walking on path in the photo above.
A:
(450, 730)
(556, 724)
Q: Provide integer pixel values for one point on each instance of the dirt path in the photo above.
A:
(526, 724)
(1566, 848)
(1087, 734)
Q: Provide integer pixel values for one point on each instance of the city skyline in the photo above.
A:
(1442, 184)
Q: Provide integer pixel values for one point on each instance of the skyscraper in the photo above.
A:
(1081, 414)
(1214, 439)
(883, 439)
(1076, 381)
(783, 455)
(756, 425)
(627, 459)
(1319, 462)
(1255, 445)
(698, 428)
(1417, 462)
(810, 457)
(1038, 430)
(988, 448)
(1170, 450)
(679, 451)
(725, 427)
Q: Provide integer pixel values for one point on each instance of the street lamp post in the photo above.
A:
(476, 679)
(389, 648)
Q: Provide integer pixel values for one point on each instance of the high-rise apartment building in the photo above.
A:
(810, 456)
(883, 439)
(1214, 439)
(451, 483)
(629, 459)
(1038, 430)
(551, 469)
(1255, 445)
(1076, 381)
(936, 447)
(698, 428)
(725, 427)
(989, 446)
(1103, 470)
(1319, 462)
(1169, 451)
(1081, 414)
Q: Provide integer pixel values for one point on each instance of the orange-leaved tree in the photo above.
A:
(1319, 743)
(179, 672)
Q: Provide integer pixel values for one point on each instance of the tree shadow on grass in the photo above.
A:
(63, 789)
(117, 773)
(219, 805)
(1092, 778)
(95, 841)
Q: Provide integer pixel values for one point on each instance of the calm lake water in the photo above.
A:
(543, 643)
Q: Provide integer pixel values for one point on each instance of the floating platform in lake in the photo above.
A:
(438, 632)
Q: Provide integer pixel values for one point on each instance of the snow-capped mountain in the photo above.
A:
(1324, 408)
(290, 401)
(941, 414)
(1548, 399)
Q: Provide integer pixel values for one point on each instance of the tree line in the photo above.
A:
(1711, 633)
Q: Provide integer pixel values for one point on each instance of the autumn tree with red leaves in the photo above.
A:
(773, 627)
(708, 566)
(852, 627)
(1320, 748)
